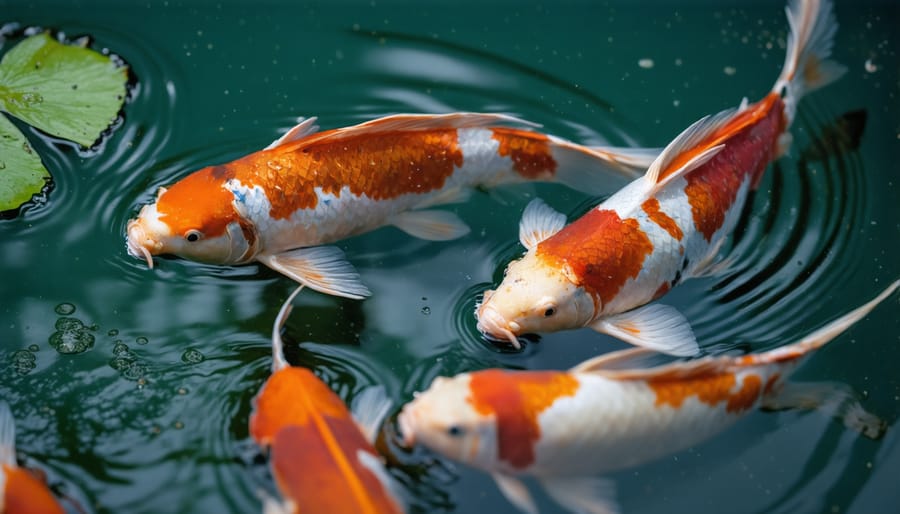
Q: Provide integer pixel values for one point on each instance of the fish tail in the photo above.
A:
(7, 436)
(822, 336)
(806, 65)
(599, 170)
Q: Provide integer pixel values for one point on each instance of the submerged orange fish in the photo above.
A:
(20, 491)
(322, 458)
(566, 427)
(603, 269)
(280, 205)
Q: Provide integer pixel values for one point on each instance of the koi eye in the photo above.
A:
(549, 312)
(193, 235)
(454, 430)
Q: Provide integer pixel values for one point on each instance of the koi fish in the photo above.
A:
(567, 427)
(280, 205)
(665, 227)
(20, 491)
(322, 458)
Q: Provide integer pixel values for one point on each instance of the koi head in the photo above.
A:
(534, 296)
(443, 419)
(196, 219)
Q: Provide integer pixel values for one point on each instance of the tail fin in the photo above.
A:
(825, 334)
(599, 170)
(806, 65)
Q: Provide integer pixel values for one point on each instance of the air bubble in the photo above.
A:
(426, 310)
(112, 333)
(120, 349)
(71, 341)
(142, 340)
(64, 309)
(192, 356)
(69, 325)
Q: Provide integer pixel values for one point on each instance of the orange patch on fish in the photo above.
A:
(516, 400)
(292, 396)
(529, 151)
(383, 167)
(602, 251)
(199, 202)
(651, 207)
(771, 384)
(26, 494)
(710, 389)
(663, 289)
(746, 397)
(319, 479)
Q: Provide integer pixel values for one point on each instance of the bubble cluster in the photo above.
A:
(71, 335)
(23, 361)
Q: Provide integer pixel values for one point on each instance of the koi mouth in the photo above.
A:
(134, 240)
(404, 419)
(495, 327)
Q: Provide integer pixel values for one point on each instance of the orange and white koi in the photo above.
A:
(603, 269)
(565, 428)
(278, 206)
(20, 491)
(322, 458)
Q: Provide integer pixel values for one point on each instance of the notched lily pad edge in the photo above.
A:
(14, 32)
(11, 33)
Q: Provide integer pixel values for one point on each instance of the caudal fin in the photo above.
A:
(806, 65)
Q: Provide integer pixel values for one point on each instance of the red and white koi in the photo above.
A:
(21, 492)
(278, 206)
(322, 458)
(602, 269)
(567, 427)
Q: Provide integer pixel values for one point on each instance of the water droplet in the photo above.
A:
(71, 341)
(112, 333)
(192, 356)
(69, 325)
(120, 349)
(142, 340)
(179, 425)
(645, 63)
(34, 348)
(64, 309)
(182, 390)
(426, 310)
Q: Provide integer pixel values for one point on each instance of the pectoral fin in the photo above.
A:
(588, 495)
(369, 409)
(430, 225)
(516, 492)
(657, 327)
(323, 268)
(539, 221)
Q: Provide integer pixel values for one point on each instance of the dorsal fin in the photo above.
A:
(410, 122)
(693, 147)
(303, 128)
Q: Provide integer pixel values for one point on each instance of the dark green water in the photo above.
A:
(152, 418)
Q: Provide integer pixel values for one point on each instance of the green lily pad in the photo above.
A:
(67, 91)
(22, 174)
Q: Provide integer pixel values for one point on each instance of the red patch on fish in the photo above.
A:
(26, 494)
(602, 250)
(516, 400)
(529, 151)
(711, 389)
(663, 289)
(751, 140)
(651, 207)
(199, 202)
(383, 167)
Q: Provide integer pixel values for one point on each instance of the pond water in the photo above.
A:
(132, 387)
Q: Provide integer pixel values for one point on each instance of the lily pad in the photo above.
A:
(22, 174)
(67, 91)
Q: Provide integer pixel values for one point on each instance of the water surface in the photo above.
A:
(152, 415)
